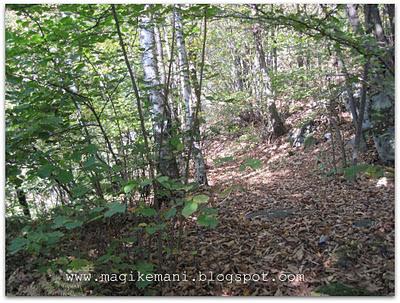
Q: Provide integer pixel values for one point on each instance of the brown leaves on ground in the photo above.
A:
(337, 231)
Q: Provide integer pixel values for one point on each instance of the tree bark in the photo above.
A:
(200, 170)
(351, 11)
(276, 125)
(162, 124)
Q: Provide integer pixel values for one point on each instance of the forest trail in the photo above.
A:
(249, 148)
(326, 229)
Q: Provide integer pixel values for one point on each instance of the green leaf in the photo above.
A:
(72, 225)
(96, 209)
(176, 144)
(164, 181)
(131, 185)
(64, 176)
(79, 191)
(189, 209)
(170, 213)
(91, 149)
(89, 163)
(144, 268)
(115, 208)
(76, 156)
(200, 199)
(146, 211)
(223, 160)
(145, 182)
(53, 237)
(207, 221)
(60, 221)
(45, 171)
(209, 211)
(17, 245)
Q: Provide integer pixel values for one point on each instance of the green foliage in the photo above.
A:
(200, 199)
(189, 209)
(339, 289)
(130, 186)
(254, 164)
(372, 171)
(115, 208)
(207, 220)
(65, 222)
(80, 264)
(17, 245)
(222, 160)
(153, 228)
(146, 211)
(74, 136)
(144, 268)
(35, 241)
(170, 213)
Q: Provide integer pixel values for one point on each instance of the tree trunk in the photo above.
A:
(200, 170)
(390, 9)
(162, 124)
(183, 69)
(351, 11)
(160, 56)
(382, 98)
(276, 125)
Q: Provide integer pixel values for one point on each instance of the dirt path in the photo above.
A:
(322, 230)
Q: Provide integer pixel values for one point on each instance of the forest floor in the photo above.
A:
(288, 217)
(329, 229)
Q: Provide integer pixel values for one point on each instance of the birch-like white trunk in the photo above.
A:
(200, 169)
(160, 55)
(161, 117)
(183, 69)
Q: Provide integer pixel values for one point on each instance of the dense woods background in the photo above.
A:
(185, 138)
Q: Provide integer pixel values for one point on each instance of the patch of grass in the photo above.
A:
(339, 289)
(223, 160)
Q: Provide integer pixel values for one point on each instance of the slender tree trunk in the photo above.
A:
(238, 80)
(276, 125)
(171, 63)
(183, 69)
(200, 171)
(160, 55)
(200, 165)
(157, 201)
(274, 50)
(162, 124)
(195, 132)
(351, 11)
(390, 9)
(363, 101)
